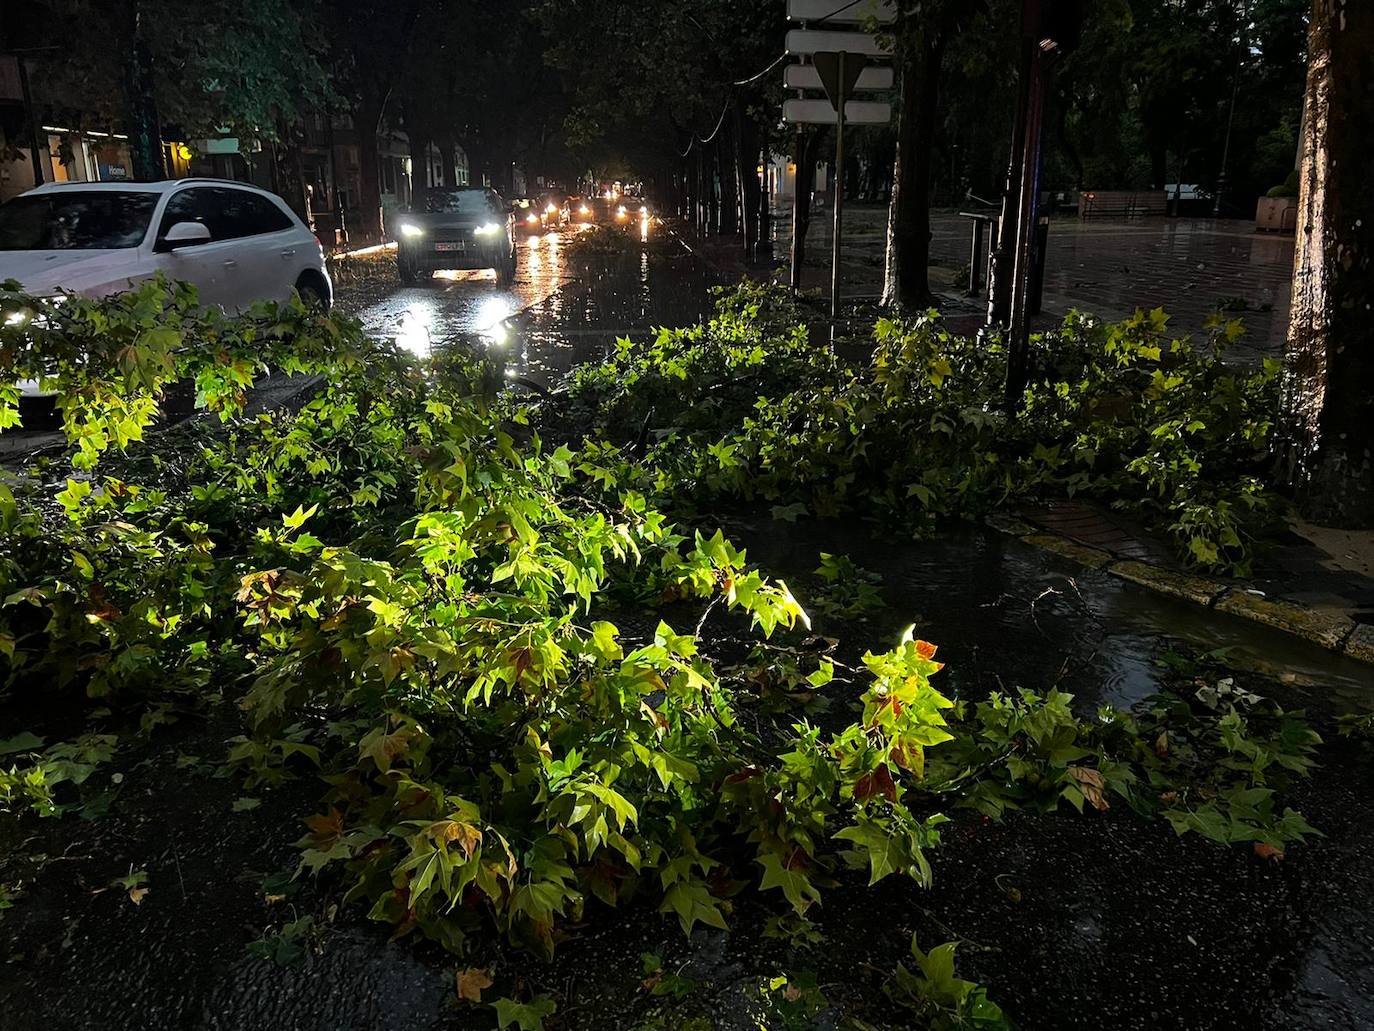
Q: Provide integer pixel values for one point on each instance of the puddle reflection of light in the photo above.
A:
(412, 333)
(491, 316)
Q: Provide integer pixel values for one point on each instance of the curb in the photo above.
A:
(1332, 631)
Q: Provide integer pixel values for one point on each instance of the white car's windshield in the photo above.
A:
(76, 220)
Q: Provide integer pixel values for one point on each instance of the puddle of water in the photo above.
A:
(1007, 615)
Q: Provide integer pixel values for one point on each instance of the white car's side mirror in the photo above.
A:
(185, 234)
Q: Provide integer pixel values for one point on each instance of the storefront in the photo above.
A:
(86, 157)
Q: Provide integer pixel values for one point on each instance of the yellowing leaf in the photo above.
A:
(1092, 784)
(472, 982)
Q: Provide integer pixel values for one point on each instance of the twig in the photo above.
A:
(1036, 601)
(181, 880)
(705, 615)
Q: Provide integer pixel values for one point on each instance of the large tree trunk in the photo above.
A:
(1329, 390)
(907, 282)
(145, 129)
(367, 122)
(805, 184)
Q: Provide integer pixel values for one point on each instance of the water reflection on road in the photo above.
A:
(559, 311)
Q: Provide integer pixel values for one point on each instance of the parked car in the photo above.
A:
(236, 244)
(467, 227)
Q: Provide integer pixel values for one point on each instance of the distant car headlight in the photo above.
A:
(490, 229)
(531, 217)
(643, 210)
(584, 210)
(410, 229)
(620, 211)
(552, 209)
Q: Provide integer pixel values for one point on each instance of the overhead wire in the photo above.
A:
(729, 97)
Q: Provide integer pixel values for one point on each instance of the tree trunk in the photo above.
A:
(763, 250)
(367, 122)
(804, 183)
(448, 161)
(1329, 389)
(727, 165)
(907, 283)
(747, 156)
(713, 187)
(419, 159)
(145, 129)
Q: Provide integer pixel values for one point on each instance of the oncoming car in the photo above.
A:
(456, 228)
(526, 213)
(236, 244)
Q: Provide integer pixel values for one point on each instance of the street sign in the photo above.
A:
(822, 112)
(841, 10)
(805, 76)
(807, 41)
(838, 74)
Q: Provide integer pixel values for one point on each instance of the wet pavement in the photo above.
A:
(561, 309)
(1187, 266)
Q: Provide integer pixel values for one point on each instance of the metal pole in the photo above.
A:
(32, 115)
(839, 195)
(797, 179)
(975, 259)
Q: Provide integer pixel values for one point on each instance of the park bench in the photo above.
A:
(1122, 203)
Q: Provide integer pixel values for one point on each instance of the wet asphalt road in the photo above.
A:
(561, 309)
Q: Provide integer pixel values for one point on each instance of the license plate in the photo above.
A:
(447, 246)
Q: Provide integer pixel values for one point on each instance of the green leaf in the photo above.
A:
(527, 1016)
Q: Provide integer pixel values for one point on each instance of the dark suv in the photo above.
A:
(456, 228)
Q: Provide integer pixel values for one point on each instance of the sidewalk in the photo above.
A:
(1189, 267)
(1312, 582)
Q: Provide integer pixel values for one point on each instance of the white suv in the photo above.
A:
(235, 243)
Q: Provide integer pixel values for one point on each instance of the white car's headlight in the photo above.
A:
(410, 229)
(490, 229)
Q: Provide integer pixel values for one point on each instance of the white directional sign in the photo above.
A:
(806, 41)
(805, 76)
(821, 112)
(841, 10)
